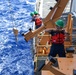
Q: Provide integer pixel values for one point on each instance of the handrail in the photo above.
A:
(50, 45)
(74, 35)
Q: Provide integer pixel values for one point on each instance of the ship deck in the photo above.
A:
(44, 10)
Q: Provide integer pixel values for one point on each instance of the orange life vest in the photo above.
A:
(38, 21)
(58, 38)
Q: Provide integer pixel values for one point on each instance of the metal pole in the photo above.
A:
(71, 5)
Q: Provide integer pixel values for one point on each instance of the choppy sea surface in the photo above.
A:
(15, 55)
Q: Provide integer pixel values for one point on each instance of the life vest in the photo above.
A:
(38, 21)
(58, 38)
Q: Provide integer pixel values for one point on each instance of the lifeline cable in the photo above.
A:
(15, 31)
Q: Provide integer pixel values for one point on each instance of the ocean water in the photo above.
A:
(15, 55)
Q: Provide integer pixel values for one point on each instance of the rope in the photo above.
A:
(15, 31)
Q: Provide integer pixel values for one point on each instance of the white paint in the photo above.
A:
(40, 9)
(73, 10)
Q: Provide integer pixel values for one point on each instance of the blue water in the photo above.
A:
(15, 56)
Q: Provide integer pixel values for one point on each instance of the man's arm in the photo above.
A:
(67, 36)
